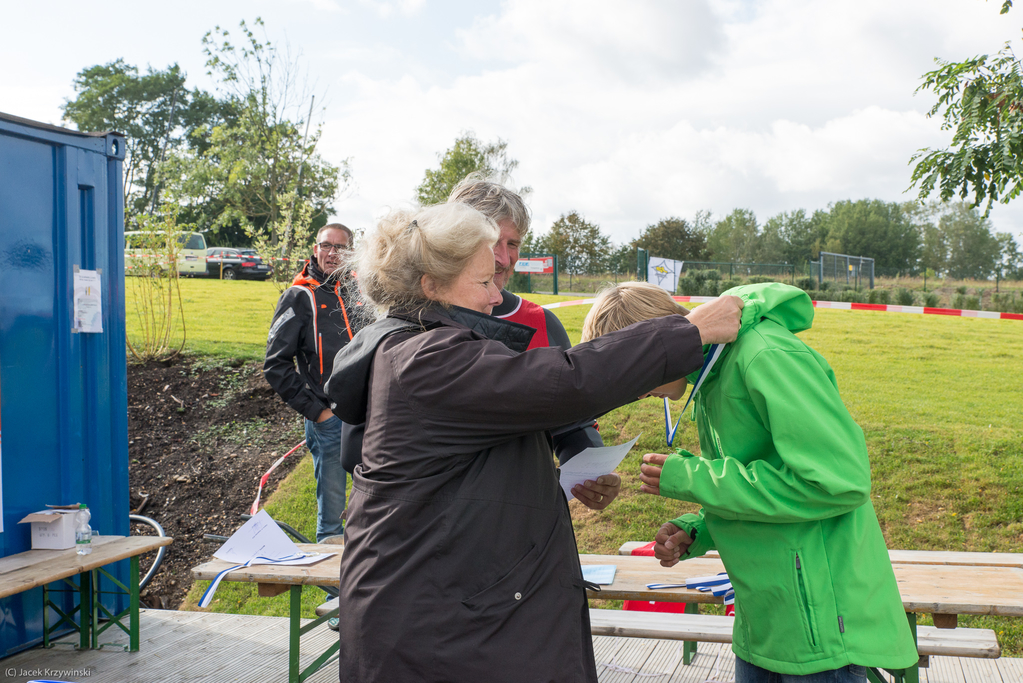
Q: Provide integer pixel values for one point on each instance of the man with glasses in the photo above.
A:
(315, 318)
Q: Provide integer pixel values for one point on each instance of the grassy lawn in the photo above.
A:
(937, 397)
(225, 318)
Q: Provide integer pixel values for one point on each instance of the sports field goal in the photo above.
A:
(844, 269)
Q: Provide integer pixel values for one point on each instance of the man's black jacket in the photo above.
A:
(315, 318)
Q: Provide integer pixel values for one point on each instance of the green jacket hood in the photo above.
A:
(784, 304)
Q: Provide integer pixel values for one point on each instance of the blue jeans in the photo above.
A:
(748, 673)
(323, 439)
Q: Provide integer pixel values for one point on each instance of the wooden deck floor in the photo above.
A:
(185, 647)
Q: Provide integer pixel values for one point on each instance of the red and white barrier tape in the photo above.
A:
(844, 305)
(263, 479)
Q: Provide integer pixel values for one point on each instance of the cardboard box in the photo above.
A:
(52, 529)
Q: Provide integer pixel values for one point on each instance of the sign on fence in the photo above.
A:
(535, 265)
(664, 272)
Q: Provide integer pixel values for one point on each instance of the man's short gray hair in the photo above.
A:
(337, 226)
(493, 200)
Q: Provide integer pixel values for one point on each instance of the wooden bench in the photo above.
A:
(709, 628)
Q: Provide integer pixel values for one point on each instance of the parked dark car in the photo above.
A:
(232, 264)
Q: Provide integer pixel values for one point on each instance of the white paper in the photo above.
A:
(592, 463)
(664, 272)
(88, 302)
(600, 574)
(261, 541)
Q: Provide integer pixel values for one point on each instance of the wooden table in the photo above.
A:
(956, 586)
(273, 580)
(925, 588)
(35, 568)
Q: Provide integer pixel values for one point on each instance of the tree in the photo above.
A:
(934, 247)
(1010, 258)
(875, 229)
(150, 109)
(578, 244)
(622, 259)
(973, 252)
(260, 170)
(672, 238)
(982, 99)
(800, 238)
(735, 237)
(468, 155)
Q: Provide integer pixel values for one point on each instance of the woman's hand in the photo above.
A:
(718, 320)
(598, 494)
(650, 473)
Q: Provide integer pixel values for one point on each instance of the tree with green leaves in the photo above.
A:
(673, 238)
(1010, 257)
(579, 245)
(735, 238)
(467, 155)
(875, 229)
(154, 110)
(972, 249)
(260, 171)
(981, 100)
(794, 237)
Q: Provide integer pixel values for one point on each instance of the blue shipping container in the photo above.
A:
(63, 395)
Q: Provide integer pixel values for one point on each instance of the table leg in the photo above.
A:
(912, 674)
(85, 614)
(689, 646)
(133, 600)
(46, 616)
(294, 634)
(908, 675)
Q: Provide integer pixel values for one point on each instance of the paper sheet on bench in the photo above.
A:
(261, 541)
(591, 463)
(258, 541)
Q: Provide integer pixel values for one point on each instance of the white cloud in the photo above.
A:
(385, 9)
(626, 112)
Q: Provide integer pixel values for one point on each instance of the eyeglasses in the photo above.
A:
(337, 248)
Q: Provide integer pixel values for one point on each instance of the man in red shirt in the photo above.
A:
(507, 209)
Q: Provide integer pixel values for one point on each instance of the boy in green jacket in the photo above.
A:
(784, 481)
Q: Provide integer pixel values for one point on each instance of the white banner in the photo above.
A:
(664, 272)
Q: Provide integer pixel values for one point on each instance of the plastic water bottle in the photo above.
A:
(83, 533)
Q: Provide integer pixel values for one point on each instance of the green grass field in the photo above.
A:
(937, 397)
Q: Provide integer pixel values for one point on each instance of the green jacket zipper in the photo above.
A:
(804, 597)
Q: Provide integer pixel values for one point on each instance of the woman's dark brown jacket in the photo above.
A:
(460, 561)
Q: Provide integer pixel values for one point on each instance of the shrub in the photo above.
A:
(713, 274)
(1007, 302)
(904, 297)
(961, 290)
(880, 296)
(806, 283)
(966, 303)
(852, 296)
(931, 299)
(725, 285)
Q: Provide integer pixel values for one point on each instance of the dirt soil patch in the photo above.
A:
(200, 436)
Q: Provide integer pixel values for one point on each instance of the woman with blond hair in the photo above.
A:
(460, 562)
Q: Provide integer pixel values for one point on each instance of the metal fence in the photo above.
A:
(854, 271)
(735, 271)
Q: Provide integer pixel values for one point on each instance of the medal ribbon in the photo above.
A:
(712, 357)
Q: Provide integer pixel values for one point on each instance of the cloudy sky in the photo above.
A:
(625, 112)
